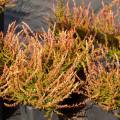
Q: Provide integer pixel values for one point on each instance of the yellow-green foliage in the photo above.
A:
(60, 10)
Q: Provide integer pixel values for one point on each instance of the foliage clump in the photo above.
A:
(41, 75)
(101, 63)
(43, 70)
(86, 22)
(103, 78)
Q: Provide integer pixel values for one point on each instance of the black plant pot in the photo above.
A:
(8, 112)
(30, 113)
(1, 109)
(92, 112)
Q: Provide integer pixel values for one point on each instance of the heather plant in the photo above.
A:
(84, 16)
(43, 70)
(101, 33)
(104, 25)
(9, 47)
(42, 73)
(103, 78)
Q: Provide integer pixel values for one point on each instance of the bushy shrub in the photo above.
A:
(104, 25)
(43, 70)
(101, 32)
(42, 73)
(103, 78)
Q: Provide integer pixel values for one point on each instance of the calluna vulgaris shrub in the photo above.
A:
(43, 70)
(104, 25)
(103, 78)
(101, 31)
(40, 74)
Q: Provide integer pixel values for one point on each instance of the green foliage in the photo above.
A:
(114, 52)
